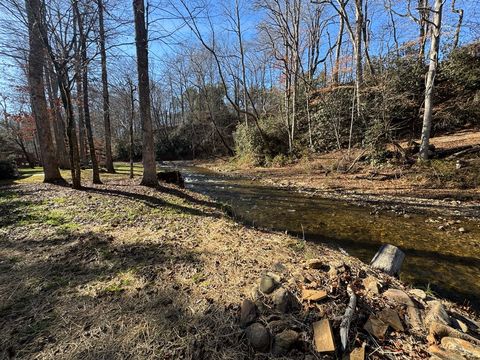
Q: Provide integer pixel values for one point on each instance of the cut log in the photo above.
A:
(347, 318)
(388, 259)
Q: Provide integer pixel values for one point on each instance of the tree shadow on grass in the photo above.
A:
(152, 201)
(113, 300)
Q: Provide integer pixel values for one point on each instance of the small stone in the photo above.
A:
(390, 317)
(284, 341)
(406, 216)
(441, 227)
(322, 336)
(439, 353)
(436, 313)
(463, 347)
(371, 285)
(398, 296)
(267, 284)
(248, 313)
(418, 293)
(314, 264)
(313, 295)
(376, 327)
(258, 337)
(462, 230)
(358, 353)
(282, 300)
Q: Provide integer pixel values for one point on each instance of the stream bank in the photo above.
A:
(443, 248)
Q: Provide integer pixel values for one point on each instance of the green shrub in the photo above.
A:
(253, 148)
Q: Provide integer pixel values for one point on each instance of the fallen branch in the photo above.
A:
(469, 150)
(347, 317)
(356, 160)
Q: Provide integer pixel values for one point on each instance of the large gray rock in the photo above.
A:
(284, 341)
(389, 259)
(258, 337)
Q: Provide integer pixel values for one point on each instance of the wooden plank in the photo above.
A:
(322, 336)
(313, 295)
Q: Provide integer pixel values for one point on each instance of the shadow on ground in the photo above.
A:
(87, 295)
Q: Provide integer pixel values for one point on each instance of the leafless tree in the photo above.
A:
(36, 65)
(141, 41)
(430, 79)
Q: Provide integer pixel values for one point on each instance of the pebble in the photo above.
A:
(267, 284)
(282, 300)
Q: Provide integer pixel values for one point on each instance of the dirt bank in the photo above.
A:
(123, 271)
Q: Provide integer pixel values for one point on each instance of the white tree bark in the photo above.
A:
(430, 79)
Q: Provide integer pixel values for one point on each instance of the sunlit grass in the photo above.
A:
(122, 170)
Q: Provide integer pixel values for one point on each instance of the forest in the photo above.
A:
(294, 179)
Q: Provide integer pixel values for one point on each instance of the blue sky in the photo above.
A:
(169, 35)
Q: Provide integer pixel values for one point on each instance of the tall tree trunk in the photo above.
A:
(358, 51)
(423, 26)
(57, 120)
(132, 116)
(242, 60)
(366, 40)
(86, 105)
(459, 24)
(430, 79)
(141, 41)
(71, 132)
(338, 51)
(80, 109)
(36, 62)
(106, 97)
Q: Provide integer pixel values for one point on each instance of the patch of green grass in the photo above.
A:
(199, 278)
(298, 245)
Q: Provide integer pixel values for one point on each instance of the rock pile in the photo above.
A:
(300, 314)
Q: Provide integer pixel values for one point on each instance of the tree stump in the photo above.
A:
(171, 177)
(389, 259)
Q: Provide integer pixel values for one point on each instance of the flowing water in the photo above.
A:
(447, 262)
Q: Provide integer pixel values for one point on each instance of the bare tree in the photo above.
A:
(57, 118)
(36, 64)
(430, 79)
(459, 24)
(85, 87)
(105, 94)
(141, 41)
